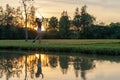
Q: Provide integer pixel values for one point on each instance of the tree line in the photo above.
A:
(82, 26)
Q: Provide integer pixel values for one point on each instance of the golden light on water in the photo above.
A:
(43, 57)
(40, 55)
(37, 55)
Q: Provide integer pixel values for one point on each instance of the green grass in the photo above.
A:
(91, 46)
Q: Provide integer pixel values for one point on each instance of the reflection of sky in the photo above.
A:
(105, 70)
(103, 10)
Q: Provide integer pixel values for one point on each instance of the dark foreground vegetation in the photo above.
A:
(93, 32)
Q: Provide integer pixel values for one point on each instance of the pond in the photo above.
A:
(42, 66)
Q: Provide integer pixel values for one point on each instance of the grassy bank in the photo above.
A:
(106, 47)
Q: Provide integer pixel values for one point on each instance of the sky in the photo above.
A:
(106, 11)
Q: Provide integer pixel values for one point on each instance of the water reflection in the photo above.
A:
(38, 66)
(10, 66)
(64, 60)
(53, 61)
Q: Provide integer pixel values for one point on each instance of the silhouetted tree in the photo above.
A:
(115, 30)
(96, 32)
(77, 22)
(53, 23)
(86, 19)
(9, 15)
(64, 25)
(2, 15)
(18, 19)
(26, 5)
(31, 18)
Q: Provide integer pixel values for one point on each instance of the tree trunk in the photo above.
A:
(26, 31)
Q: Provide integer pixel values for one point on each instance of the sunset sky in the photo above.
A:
(104, 10)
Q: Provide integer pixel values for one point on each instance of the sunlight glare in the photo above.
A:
(43, 29)
(38, 15)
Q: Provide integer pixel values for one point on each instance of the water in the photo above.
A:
(14, 66)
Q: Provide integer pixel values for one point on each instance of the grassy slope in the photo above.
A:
(105, 46)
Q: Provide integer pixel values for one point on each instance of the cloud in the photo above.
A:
(104, 3)
(104, 10)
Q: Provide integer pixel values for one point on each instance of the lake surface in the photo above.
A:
(31, 66)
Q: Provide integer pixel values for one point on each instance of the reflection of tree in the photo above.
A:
(25, 67)
(83, 65)
(17, 66)
(10, 66)
(31, 65)
(32, 68)
(64, 60)
(77, 66)
(86, 64)
(53, 61)
(13, 66)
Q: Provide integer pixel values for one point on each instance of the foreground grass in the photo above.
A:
(93, 46)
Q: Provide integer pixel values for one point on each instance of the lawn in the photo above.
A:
(89, 46)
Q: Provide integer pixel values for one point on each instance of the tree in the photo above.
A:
(64, 25)
(31, 17)
(53, 23)
(86, 19)
(77, 19)
(1, 15)
(6, 16)
(18, 17)
(115, 24)
(26, 5)
(115, 30)
(77, 22)
(82, 20)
